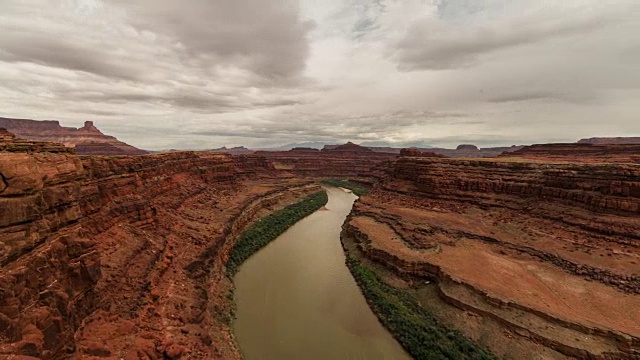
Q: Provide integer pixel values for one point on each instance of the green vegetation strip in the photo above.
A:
(269, 228)
(417, 330)
(357, 189)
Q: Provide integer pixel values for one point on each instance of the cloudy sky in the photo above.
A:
(204, 73)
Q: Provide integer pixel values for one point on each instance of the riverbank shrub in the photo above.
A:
(417, 330)
(267, 229)
(357, 189)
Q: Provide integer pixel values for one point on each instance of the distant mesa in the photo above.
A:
(580, 152)
(305, 149)
(377, 149)
(462, 151)
(87, 140)
(11, 143)
(611, 140)
(417, 153)
(238, 150)
(472, 151)
(349, 147)
(467, 147)
(102, 148)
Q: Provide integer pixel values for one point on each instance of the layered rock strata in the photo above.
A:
(472, 151)
(10, 143)
(123, 257)
(87, 140)
(348, 160)
(547, 252)
(611, 140)
(462, 151)
(580, 152)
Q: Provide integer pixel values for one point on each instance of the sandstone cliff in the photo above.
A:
(472, 151)
(582, 152)
(124, 256)
(610, 140)
(349, 160)
(87, 140)
(547, 252)
(48, 268)
(10, 143)
(462, 151)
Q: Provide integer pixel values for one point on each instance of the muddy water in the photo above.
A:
(297, 300)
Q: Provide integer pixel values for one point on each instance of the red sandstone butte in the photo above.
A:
(87, 140)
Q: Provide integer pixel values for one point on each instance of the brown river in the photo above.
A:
(296, 298)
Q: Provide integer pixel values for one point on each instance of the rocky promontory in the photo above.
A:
(87, 140)
(545, 252)
(124, 256)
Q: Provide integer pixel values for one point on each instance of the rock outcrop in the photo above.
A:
(610, 140)
(462, 151)
(238, 150)
(48, 268)
(10, 143)
(348, 148)
(548, 252)
(418, 153)
(87, 140)
(348, 160)
(582, 152)
(124, 256)
(468, 151)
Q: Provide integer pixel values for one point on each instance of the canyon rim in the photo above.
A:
(304, 179)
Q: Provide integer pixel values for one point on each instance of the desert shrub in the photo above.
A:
(417, 330)
(267, 229)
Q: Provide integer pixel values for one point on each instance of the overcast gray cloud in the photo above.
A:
(169, 74)
(460, 32)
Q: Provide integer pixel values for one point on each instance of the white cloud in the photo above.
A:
(160, 74)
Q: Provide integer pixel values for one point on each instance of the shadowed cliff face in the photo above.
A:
(88, 246)
(124, 256)
(87, 140)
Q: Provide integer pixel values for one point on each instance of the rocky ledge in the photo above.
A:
(124, 256)
(590, 152)
(546, 253)
(87, 140)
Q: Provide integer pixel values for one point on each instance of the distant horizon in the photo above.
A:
(160, 75)
(368, 143)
